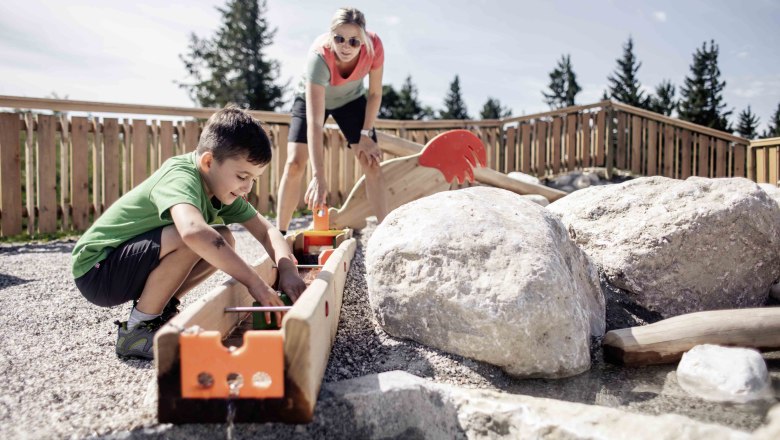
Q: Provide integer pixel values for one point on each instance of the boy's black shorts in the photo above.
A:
(349, 117)
(121, 276)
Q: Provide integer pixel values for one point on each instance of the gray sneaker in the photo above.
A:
(139, 341)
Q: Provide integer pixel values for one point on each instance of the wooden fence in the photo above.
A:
(59, 172)
(764, 160)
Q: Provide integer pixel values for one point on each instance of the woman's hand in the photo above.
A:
(369, 150)
(317, 193)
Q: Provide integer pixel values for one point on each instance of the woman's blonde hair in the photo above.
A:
(352, 16)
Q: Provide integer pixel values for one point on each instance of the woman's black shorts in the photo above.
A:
(349, 117)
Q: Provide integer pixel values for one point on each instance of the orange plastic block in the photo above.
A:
(321, 219)
(206, 365)
(324, 255)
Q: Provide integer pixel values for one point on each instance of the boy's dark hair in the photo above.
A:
(232, 132)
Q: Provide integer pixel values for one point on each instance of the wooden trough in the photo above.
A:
(281, 370)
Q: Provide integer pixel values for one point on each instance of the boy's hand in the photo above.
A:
(266, 296)
(290, 282)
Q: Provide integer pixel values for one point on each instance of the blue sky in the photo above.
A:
(127, 51)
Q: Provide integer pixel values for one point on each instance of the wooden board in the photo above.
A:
(111, 168)
(309, 330)
(10, 172)
(138, 152)
(403, 147)
(636, 145)
(665, 341)
(47, 173)
(79, 199)
(405, 180)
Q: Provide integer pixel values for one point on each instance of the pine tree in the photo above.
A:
(773, 129)
(494, 110)
(409, 107)
(389, 102)
(663, 102)
(563, 85)
(454, 107)
(623, 83)
(231, 66)
(748, 123)
(702, 92)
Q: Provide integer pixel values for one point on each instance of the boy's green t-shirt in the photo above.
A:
(147, 207)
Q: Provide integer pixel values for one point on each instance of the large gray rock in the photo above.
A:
(398, 405)
(485, 274)
(680, 246)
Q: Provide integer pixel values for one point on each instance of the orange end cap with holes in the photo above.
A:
(206, 364)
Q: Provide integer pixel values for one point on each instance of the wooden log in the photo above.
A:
(665, 341)
(402, 147)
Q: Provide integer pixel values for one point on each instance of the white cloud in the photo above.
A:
(743, 54)
(392, 20)
(660, 16)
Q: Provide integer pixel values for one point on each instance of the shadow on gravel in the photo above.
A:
(38, 248)
(10, 281)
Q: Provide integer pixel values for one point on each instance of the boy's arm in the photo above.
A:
(211, 246)
(276, 246)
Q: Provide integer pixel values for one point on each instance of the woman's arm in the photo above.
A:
(367, 146)
(374, 97)
(317, 192)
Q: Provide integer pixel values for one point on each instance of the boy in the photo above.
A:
(155, 244)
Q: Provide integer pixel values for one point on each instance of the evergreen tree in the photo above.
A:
(409, 107)
(494, 110)
(623, 83)
(389, 102)
(231, 66)
(773, 129)
(563, 85)
(748, 123)
(454, 107)
(702, 92)
(663, 102)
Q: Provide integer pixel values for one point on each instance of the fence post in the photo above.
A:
(610, 147)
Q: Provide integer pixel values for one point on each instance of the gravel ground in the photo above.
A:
(63, 380)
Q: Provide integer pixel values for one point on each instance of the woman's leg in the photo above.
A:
(375, 188)
(290, 184)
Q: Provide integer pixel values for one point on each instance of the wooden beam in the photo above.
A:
(665, 341)
(402, 147)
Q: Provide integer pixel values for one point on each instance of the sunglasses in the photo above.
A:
(354, 42)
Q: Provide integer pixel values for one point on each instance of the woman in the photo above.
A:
(332, 84)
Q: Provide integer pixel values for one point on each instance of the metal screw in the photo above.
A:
(205, 380)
